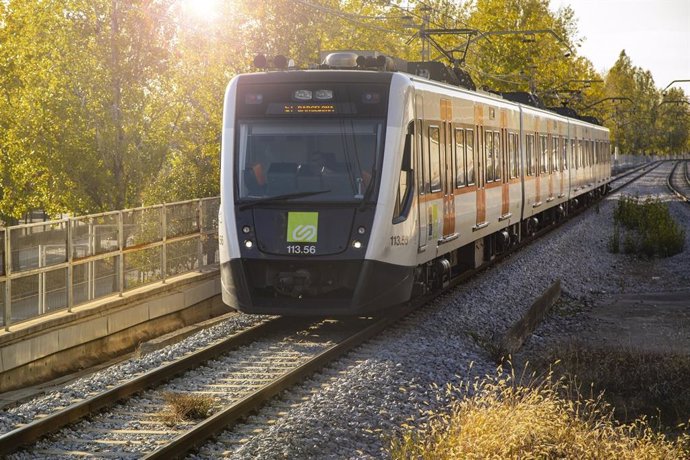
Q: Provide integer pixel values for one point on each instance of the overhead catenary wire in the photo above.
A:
(353, 18)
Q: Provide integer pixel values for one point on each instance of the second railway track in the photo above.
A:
(679, 181)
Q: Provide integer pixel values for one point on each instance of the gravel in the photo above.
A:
(126, 370)
(352, 409)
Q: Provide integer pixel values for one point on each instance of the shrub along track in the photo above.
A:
(250, 368)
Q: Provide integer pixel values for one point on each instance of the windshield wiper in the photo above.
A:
(279, 198)
(368, 191)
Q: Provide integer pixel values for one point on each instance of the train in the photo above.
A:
(352, 187)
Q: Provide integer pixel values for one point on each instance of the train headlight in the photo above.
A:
(323, 94)
(253, 99)
(248, 244)
(361, 230)
(371, 98)
(246, 229)
(357, 244)
(302, 95)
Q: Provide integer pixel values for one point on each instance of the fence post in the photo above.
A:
(8, 282)
(70, 267)
(41, 280)
(121, 245)
(164, 251)
(200, 245)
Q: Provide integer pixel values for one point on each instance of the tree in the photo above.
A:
(85, 89)
(673, 123)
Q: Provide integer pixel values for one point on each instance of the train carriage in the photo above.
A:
(345, 192)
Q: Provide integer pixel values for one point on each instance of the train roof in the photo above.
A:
(346, 76)
(385, 77)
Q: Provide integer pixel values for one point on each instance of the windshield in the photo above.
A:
(336, 158)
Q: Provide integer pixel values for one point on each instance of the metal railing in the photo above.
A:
(55, 265)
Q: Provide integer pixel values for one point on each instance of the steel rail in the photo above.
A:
(229, 416)
(31, 432)
(652, 166)
(675, 189)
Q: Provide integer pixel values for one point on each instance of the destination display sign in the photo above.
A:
(309, 108)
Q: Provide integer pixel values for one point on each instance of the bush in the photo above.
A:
(649, 228)
(505, 419)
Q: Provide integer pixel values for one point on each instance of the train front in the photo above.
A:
(301, 160)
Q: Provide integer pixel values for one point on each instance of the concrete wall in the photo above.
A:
(64, 342)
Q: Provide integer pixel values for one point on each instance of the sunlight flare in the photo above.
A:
(207, 10)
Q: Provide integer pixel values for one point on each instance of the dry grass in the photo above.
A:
(637, 383)
(182, 407)
(508, 419)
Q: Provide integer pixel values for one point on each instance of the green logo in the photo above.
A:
(302, 227)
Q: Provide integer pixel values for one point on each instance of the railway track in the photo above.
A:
(240, 374)
(628, 177)
(679, 181)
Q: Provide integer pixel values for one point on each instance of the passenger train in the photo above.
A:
(347, 190)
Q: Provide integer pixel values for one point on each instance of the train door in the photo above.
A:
(560, 160)
(506, 162)
(536, 149)
(448, 175)
(421, 175)
(550, 167)
(480, 161)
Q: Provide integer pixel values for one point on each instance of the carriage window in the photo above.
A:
(425, 163)
(469, 155)
(489, 156)
(588, 151)
(542, 154)
(555, 154)
(460, 180)
(403, 198)
(512, 155)
(565, 154)
(529, 149)
(498, 153)
(435, 158)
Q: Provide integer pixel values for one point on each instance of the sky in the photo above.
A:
(655, 34)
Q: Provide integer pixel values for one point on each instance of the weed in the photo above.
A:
(184, 407)
(615, 243)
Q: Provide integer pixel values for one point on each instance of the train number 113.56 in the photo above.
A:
(297, 249)
(399, 240)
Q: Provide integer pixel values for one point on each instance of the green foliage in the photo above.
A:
(108, 104)
(615, 243)
(652, 122)
(650, 231)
